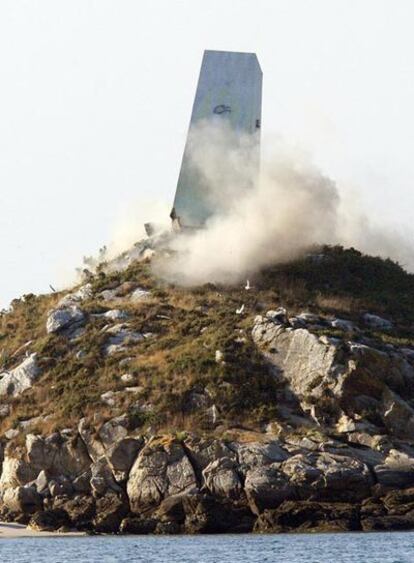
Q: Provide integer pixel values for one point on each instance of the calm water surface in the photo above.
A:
(324, 548)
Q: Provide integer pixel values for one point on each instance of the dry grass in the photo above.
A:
(189, 325)
(25, 322)
(337, 304)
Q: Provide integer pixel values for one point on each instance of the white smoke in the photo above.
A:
(372, 235)
(292, 207)
(259, 220)
(129, 227)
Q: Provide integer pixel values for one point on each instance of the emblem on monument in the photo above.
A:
(222, 109)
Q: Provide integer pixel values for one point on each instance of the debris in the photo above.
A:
(127, 378)
(240, 310)
(115, 315)
(119, 337)
(375, 321)
(109, 398)
(308, 318)
(12, 433)
(312, 413)
(278, 315)
(125, 362)
(140, 294)
(342, 324)
(108, 294)
(21, 349)
(74, 298)
(4, 410)
(213, 414)
(136, 389)
(219, 357)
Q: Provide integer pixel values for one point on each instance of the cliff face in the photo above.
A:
(132, 406)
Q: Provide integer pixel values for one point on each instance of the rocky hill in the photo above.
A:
(285, 404)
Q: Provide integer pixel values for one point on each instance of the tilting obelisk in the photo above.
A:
(229, 94)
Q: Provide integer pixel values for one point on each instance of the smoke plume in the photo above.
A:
(292, 207)
(259, 219)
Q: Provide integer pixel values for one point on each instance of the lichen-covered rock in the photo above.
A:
(221, 478)
(203, 451)
(377, 322)
(16, 471)
(22, 499)
(119, 337)
(305, 361)
(42, 482)
(57, 454)
(71, 299)
(342, 324)
(140, 294)
(267, 487)
(397, 470)
(328, 476)
(121, 455)
(111, 509)
(102, 479)
(113, 443)
(64, 318)
(90, 437)
(22, 377)
(397, 414)
(4, 411)
(113, 430)
(160, 470)
(115, 315)
(257, 454)
(331, 377)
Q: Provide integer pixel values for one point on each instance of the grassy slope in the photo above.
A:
(189, 326)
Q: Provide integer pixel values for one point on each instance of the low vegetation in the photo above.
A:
(198, 349)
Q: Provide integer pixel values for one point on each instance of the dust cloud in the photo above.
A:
(260, 219)
(290, 208)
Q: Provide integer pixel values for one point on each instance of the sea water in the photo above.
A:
(309, 548)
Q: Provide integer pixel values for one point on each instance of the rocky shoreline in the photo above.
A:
(169, 486)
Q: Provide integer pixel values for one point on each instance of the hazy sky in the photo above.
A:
(95, 101)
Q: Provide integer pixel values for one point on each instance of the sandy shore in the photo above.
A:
(12, 530)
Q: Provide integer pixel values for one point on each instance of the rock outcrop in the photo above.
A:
(332, 376)
(160, 470)
(199, 486)
(22, 377)
(64, 318)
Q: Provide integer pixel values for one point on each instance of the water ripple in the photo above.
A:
(318, 548)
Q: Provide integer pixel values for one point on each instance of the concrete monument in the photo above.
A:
(229, 93)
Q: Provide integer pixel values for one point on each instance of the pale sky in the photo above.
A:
(96, 96)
